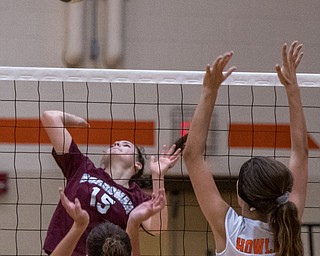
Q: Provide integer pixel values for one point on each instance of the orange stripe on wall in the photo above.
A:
(30, 131)
(262, 136)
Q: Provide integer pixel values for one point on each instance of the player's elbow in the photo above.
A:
(189, 155)
(48, 116)
(187, 152)
(45, 117)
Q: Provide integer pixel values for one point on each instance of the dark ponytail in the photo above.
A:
(141, 159)
(286, 228)
(264, 184)
(181, 142)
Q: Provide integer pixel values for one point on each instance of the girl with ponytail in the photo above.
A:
(271, 196)
(264, 186)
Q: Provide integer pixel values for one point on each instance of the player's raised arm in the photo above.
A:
(56, 124)
(81, 221)
(298, 163)
(212, 205)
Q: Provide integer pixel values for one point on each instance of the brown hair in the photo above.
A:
(141, 160)
(181, 142)
(264, 184)
(108, 239)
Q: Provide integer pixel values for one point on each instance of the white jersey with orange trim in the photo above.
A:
(246, 236)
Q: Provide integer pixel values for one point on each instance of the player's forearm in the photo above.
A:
(69, 242)
(133, 232)
(56, 118)
(157, 181)
(298, 129)
(159, 221)
(298, 163)
(198, 131)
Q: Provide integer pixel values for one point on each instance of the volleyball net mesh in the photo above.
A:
(149, 108)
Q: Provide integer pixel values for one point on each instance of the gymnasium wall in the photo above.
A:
(178, 35)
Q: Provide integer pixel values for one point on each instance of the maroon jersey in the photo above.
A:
(99, 195)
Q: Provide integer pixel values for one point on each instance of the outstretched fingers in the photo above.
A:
(229, 72)
(295, 54)
(176, 154)
(282, 79)
(172, 154)
(298, 55)
(216, 66)
(221, 62)
(175, 157)
(170, 151)
(290, 62)
(284, 56)
(226, 58)
(215, 75)
(224, 62)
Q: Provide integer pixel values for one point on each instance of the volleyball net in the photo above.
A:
(149, 108)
